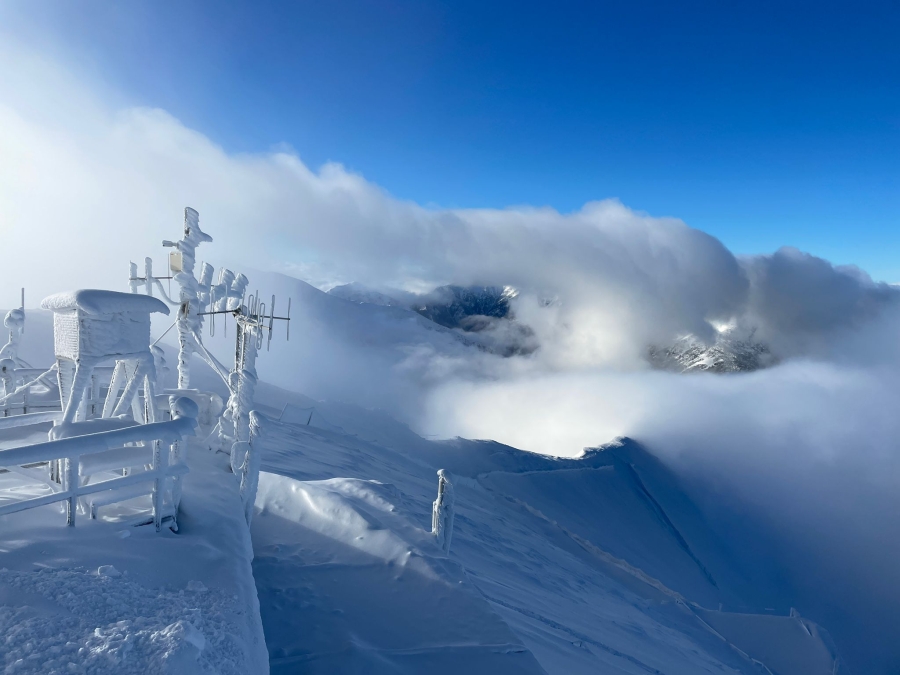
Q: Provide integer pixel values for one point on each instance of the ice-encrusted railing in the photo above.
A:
(31, 395)
(20, 407)
(155, 445)
(18, 378)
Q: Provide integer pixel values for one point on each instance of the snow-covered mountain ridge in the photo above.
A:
(728, 353)
(488, 309)
(449, 306)
(597, 564)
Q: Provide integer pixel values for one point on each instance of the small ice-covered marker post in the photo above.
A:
(442, 511)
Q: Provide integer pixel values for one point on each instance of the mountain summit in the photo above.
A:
(729, 353)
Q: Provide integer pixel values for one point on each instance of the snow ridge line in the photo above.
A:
(624, 566)
(592, 548)
(508, 648)
(661, 514)
(740, 652)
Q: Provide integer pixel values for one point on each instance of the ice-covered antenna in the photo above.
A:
(250, 314)
(22, 307)
(260, 322)
(271, 324)
(212, 315)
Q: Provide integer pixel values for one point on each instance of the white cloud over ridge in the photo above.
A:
(85, 185)
(103, 182)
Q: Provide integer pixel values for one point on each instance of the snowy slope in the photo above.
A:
(365, 590)
(360, 294)
(593, 565)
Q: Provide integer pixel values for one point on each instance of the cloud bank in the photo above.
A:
(100, 183)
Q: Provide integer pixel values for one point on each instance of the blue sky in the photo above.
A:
(765, 124)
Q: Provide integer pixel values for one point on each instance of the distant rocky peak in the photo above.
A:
(731, 351)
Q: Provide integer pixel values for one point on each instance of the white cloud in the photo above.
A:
(101, 184)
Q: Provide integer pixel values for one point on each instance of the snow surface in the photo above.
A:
(94, 301)
(356, 292)
(100, 598)
(599, 564)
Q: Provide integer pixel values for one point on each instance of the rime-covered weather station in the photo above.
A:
(121, 443)
(91, 327)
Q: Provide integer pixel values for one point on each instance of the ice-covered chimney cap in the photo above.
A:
(92, 301)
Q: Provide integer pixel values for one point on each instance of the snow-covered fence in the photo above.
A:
(36, 390)
(442, 511)
(85, 455)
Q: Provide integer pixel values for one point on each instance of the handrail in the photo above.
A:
(30, 418)
(70, 450)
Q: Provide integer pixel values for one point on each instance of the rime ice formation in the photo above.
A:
(97, 302)
(189, 322)
(442, 512)
(15, 322)
(93, 326)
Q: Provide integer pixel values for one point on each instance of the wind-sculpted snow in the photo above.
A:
(348, 584)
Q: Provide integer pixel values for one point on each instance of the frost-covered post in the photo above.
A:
(15, 322)
(222, 289)
(205, 285)
(159, 364)
(247, 337)
(247, 456)
(133, 277)
(7, 372)
(229, 292)
(179, 407)
(189, 322)
(238, 288)
(442, 511)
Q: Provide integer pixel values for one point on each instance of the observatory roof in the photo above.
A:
(92, 301)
